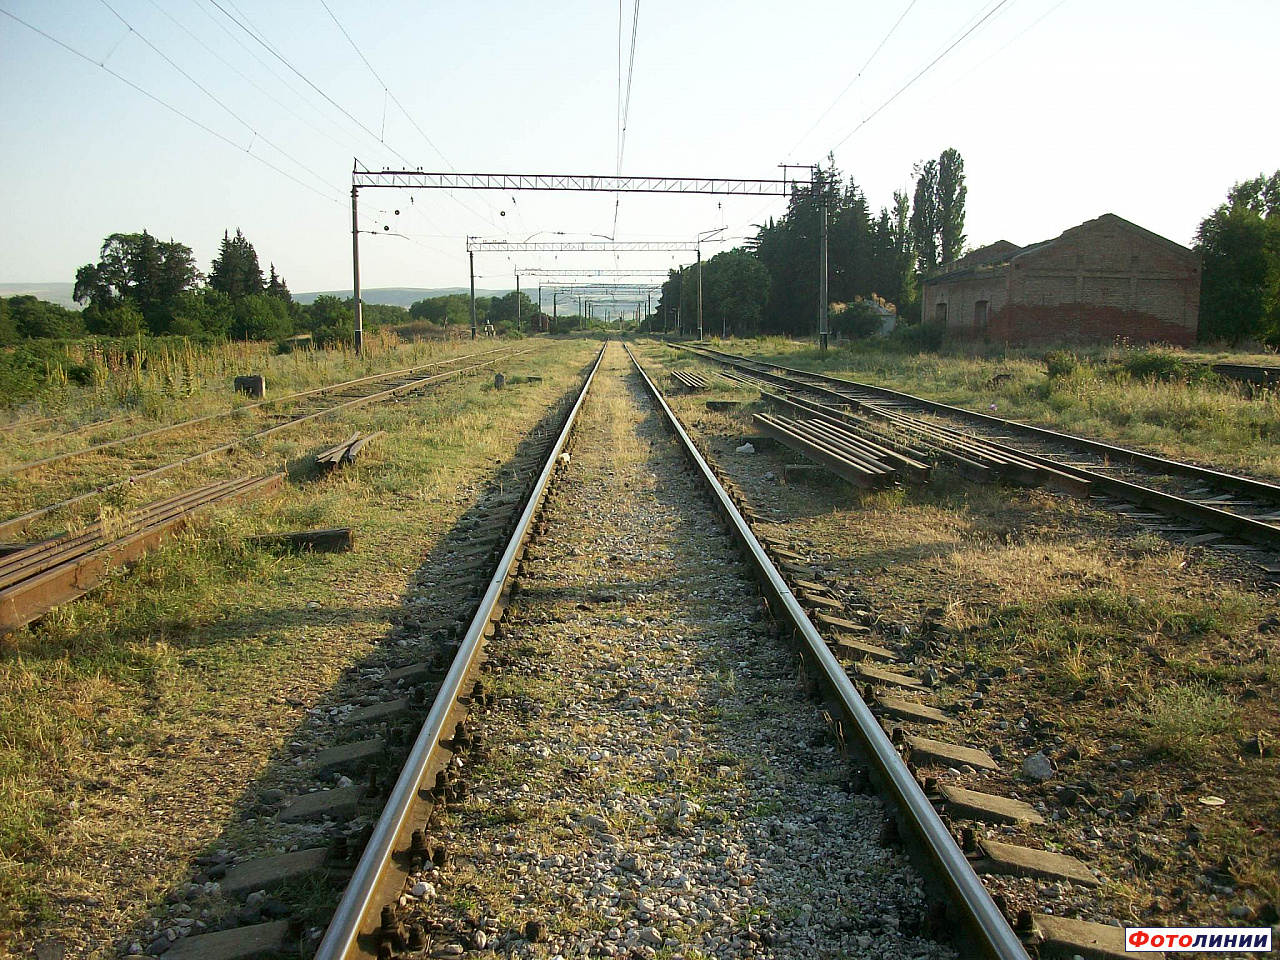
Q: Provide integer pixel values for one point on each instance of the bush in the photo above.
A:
(859, 320)
(1166, 367)
(926, 337)
(1061, 363)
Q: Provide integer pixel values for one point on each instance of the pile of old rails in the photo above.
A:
(923, 440)
(689, 381)
(393, 377)
(1238, 512)
(347, 450)
(15, 525)
(981, 928)
(364, 925)
(860, 461)
(42, 576)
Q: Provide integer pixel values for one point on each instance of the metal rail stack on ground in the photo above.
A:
(400, 388)
(1227, 505)
(42, 576)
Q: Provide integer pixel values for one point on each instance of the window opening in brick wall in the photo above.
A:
(980, 316)
(940, 312)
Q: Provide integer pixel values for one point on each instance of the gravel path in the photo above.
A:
(651, 779)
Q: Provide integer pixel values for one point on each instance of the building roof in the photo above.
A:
(998, 255)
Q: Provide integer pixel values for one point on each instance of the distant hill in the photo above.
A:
(59, 293)
(396, 296)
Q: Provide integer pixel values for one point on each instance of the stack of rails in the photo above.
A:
(347, 450)
(37, 578)
(689, 381)
(923, 440)
(847, 455)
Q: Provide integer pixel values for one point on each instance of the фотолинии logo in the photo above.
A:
(1198, 939)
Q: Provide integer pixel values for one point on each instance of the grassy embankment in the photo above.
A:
(133, 720)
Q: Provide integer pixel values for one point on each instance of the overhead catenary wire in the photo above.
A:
(929, 66)
(394, 99)
(168, 106)
(863, 69)
(208, 93)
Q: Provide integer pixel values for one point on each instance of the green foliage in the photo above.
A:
(236, 271)
(926, 337)
(26, 317)
(1182, 721)
(858, 321)
(1061, 363)
(950, 204)
(1160, 365)
(735, 290)
(135, 283)
(205, 311)
(331, 321)
(453, 308)
(1240, 285)
(260, 317)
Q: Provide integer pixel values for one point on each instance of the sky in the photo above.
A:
(1062, 109)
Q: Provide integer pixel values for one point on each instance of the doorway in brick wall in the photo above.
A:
(980, 317)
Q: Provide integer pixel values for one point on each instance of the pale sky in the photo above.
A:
(1062, 109)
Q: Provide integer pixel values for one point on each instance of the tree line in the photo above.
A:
(770, 285)
(143, 285)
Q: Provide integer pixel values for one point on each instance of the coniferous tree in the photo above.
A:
(235, 270)
(950, 204)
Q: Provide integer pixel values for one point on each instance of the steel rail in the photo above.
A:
(1205, 514)
(1231, 481)
(991, 934)
(352, 929)
(170, 428)
(22, 521)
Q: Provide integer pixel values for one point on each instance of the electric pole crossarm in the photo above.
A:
(417, 180)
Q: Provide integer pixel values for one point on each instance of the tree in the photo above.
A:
(259, 317)
(276, 287)
(502, 310)
(205, 311)
(26, 317)
(235, 270)
(924, 216)
(331, 320)
(735, 290)
(1240, 246)
(137, 267)
(950, 204)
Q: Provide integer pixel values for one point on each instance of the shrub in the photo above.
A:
(859, 320)
(1061, 363)
(1166, 367)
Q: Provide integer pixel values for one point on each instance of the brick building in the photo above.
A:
(1104, 279)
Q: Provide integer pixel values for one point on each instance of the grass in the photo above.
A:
(133, 720)
(1160, 400)
(1184, 721)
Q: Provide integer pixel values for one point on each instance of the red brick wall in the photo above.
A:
(1083, 322)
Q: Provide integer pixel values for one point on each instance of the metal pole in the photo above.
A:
(823, 307)
(355, 272)
(471, 256)
(699, 293)
(517, 301)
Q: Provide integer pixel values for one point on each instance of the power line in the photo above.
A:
(205, 90)
(1006, 46)
(849, 87)
(925, 70)
(624, 106)
(243, 76)
(168, 106)
(387, 91)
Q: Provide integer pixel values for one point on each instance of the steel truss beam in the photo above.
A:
(417, 180)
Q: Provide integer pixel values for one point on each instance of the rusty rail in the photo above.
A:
(46, 575)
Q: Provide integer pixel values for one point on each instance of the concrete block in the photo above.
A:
(1009, 858)
(337, 804)
(909, 710)
(350, 755)
(266, 873)
(255, 386)
(949, 754)
(242, 943)
(987, 807)
(387, 710)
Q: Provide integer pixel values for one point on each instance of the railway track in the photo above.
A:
(415, 845)
(311, 405)
(1196, 504)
